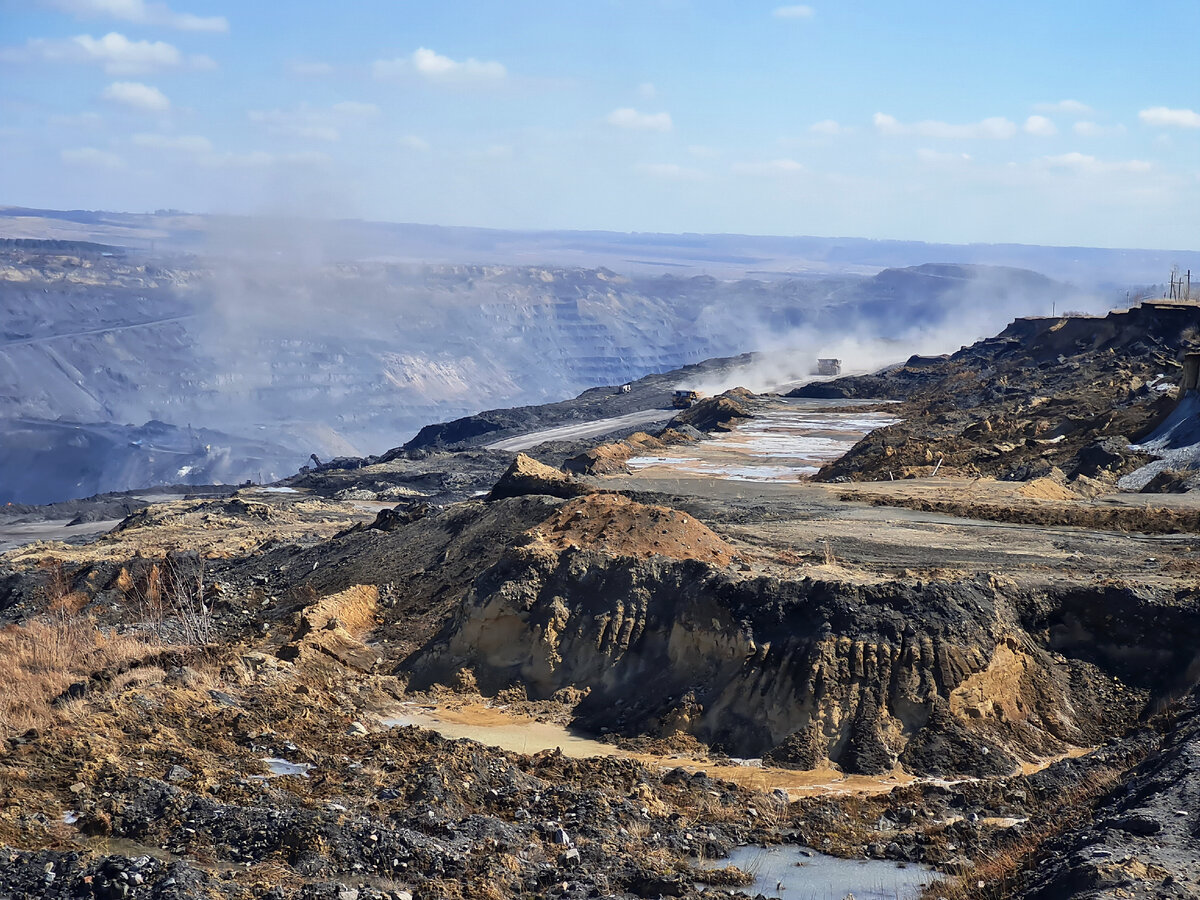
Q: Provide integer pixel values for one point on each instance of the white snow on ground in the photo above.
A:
(1176, 443)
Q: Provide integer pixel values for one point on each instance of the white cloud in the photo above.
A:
(996, 128)
(647, 91)
(1090, 165)
(310, 69)
(90, 156)
(670, 171)
(437, 68)
(701, 152)
(1066, 107)
(827, 126)
(627, 117)
(1087, 128)
(412, 142)
(773, 169)
(938, 157)
(184, 143)
(1040, 126)
(136, 95)
(1163, 117)
(116, 53)
(793, 12)
(140, 12)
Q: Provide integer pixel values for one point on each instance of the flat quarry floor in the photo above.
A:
(752, 485)
(786, 440)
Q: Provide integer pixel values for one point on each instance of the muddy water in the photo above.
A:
(519, 734)
(792, 873)
(788, 440)
(497, 727)
(492, 727)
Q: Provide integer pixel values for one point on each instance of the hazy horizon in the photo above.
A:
(940, 122)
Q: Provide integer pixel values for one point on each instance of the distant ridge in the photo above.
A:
(58, 246)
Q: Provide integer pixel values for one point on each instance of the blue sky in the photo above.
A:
(1037, 122)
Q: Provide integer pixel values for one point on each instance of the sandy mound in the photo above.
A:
(622, 527)
(1046, 489)
(333, 628)
(528, 476)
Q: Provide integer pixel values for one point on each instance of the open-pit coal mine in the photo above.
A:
(928, 630)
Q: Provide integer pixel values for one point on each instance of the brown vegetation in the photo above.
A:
(998, 875)
(43, 658)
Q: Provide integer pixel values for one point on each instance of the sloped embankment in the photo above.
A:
(1067, 393)
(941, 677)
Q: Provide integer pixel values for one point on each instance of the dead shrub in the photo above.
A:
(168, 594)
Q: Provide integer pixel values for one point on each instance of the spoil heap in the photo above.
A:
(1069, 393)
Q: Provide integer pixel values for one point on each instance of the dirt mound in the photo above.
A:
(1170, 481)
(623, 527)
(1070, 393)
(718, 413)
(607, 459)
(528, 476)
(1046, 489)
(216, 513)
(333, 628)
(610, 459)
(1049, 513)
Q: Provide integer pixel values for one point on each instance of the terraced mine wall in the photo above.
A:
(353, 358)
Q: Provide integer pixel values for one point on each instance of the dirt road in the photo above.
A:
(594, 428)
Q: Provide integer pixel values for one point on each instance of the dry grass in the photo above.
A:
(42, 659)
(728, 876)
(997, 876)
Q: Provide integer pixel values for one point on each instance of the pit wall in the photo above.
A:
(938, 677)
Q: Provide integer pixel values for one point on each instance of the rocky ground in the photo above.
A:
(1045, 396)
(994, 677)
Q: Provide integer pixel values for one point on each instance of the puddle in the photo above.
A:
(494, 728)
(280, 767)
(517, 734)
(793, 873)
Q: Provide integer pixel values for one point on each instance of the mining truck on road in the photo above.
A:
(684, 399)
